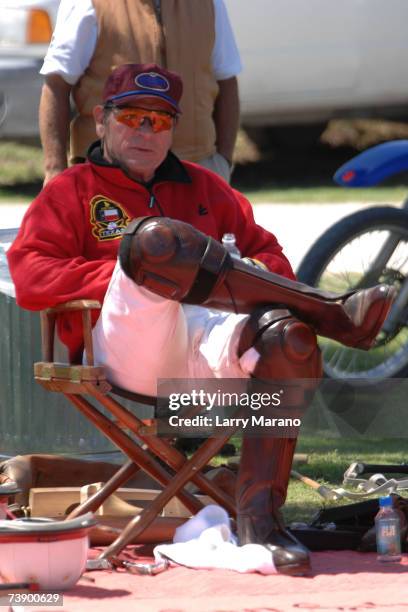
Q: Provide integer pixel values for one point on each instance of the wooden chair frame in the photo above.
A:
(136, 438)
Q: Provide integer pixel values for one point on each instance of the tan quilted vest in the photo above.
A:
(130, 32)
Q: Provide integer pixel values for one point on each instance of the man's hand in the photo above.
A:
(54, 123)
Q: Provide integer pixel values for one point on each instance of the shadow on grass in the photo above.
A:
(303, 511)
(291, 168)
(277, 169)
(21, 191)
(297, 168)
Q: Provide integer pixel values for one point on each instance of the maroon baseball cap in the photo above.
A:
(137, 81)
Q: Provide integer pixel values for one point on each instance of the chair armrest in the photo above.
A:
(48, 321)
(75, 305)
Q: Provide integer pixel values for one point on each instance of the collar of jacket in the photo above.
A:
(171, 169)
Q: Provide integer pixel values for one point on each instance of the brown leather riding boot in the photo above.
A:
(261, 491)
(174, 260)
(288, 353)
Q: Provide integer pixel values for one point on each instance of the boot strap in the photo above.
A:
(214, 266)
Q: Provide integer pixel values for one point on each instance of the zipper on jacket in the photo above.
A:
(154, 201)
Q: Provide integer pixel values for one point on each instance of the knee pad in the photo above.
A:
(287, 347)
(173, 259)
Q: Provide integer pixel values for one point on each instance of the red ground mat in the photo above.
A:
(339, 581)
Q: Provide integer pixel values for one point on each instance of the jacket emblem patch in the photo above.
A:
(108, 218)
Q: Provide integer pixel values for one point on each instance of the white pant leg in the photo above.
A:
(141, 337)
(213, 343)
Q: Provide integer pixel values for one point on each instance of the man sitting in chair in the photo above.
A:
(158, 318)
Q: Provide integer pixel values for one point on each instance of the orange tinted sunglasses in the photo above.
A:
(134, 117)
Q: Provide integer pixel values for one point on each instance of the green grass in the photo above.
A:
(20, 172)
(22, 195)
(342, 358)
(19, 163)
(328, 458)
(327, 461)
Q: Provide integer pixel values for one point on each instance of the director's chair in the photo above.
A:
(135, 437)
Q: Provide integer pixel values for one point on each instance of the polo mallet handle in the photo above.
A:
(322, 490)
(305, 479)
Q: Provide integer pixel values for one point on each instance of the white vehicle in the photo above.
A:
(25, 31)
(310, 60)
(305, 61)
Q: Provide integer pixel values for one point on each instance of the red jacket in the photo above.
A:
(67, 245)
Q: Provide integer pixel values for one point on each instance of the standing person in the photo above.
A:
(157, 320)
(191, 37)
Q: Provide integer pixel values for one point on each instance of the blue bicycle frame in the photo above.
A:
(374, 165)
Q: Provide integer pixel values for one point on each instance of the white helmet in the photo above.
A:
(50, 553)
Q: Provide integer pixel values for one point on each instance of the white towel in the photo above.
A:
(203, 544)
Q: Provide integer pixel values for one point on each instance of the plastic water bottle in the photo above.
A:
(387, 529)
(229, 242)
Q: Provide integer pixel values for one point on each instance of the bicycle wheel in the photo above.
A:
(342, 259)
